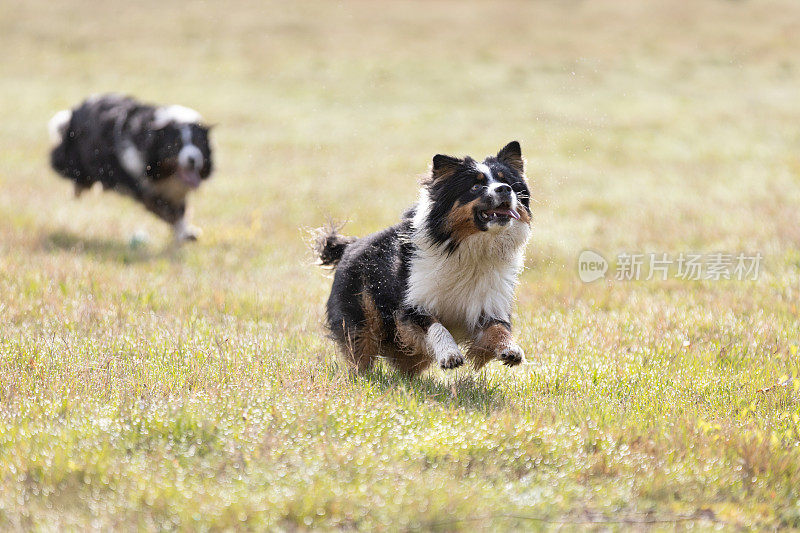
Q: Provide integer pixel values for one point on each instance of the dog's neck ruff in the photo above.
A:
(474, 282)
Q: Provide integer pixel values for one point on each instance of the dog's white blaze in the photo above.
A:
(482, 167)
(440, 342)
(175, 113)
(131, 159)
(494, 185)
(189, 150)
(188, 153)
(477, 279)
(57, 126)
(492, 189)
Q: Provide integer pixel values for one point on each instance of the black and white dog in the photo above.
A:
(156, 155)
(444, 276)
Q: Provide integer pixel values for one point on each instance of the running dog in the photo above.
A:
(444, 276)
(156, 155)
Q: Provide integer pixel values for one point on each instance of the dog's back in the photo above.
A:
(84, 150)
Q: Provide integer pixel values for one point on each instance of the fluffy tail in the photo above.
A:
(57, 126)
(329, 245)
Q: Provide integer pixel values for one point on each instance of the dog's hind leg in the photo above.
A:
(356, 353)
(80, 188)
(365, 342)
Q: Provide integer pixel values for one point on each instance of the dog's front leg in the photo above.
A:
(175, 214)
(494, 341)
(184, 230)
(423, 333)
(443, 346)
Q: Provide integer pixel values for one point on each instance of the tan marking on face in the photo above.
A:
(500, 174)
(524, 215)
(489, 343)
(461, 221)
(481, 177)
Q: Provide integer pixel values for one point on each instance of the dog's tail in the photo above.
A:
(329, 245)
(57, 126)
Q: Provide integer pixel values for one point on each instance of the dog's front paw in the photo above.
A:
(188, 233)
(511, 355)
(451, 359)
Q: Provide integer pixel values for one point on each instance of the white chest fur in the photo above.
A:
(476, 280)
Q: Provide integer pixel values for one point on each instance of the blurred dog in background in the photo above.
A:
(156, 155)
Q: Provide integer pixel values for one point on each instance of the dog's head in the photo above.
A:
(179, 145)
(463, 198)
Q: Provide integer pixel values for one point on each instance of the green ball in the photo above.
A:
(139, 239)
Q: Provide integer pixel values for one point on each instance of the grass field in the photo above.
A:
(148, 387)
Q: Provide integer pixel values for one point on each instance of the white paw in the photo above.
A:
(451, 359)
(443, 347)
(188, 233)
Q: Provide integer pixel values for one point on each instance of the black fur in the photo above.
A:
(377, 263)
(329, 245)
(99, 131)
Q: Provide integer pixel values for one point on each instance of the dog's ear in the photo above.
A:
(444, 165)
(511, 155)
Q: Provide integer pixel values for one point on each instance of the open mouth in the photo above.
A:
(189, 177)
(501, 213)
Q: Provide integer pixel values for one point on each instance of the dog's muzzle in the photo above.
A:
(502, 205)
(190, 161)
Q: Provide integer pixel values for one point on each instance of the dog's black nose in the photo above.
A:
(194, 162)
(503, 191)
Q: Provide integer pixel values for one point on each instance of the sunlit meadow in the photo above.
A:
(143, 386)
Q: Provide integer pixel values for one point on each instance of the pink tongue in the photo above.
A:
(506, 212)
(190, 177)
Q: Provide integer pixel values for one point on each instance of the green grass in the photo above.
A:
(194, 389)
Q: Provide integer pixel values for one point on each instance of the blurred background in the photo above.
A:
(644, 124)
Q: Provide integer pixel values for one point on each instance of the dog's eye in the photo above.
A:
(476, 187)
